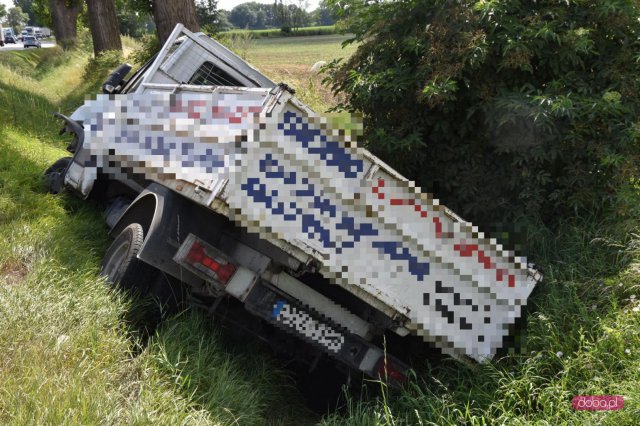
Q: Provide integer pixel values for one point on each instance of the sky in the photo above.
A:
(222, 4)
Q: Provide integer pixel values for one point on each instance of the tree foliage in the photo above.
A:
(133, 20)
(323, 15)
(246, 15)
(40, 12)
(209, 17)
(222, 20)
(16, 18)
(290, 16)
(257, 16)
(500, 106)
(27, 7)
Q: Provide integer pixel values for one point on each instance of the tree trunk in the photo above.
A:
(168, 13)
(104, 25)
(64, 19)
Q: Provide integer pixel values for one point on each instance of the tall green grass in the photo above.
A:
(582, 337)
(69, 353)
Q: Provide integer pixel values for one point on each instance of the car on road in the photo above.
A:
(31, 41)
(10, 39)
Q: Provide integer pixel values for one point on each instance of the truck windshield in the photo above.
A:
(209, 74)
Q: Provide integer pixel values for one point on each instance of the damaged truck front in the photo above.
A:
(218, 181)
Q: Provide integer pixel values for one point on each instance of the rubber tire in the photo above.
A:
(121, 266)
(54, 175)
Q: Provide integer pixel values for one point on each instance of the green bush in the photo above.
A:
(502, 108)
(239, 42)
(149, 46)
(105, 62)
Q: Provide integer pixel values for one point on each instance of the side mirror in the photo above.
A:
(115, 79)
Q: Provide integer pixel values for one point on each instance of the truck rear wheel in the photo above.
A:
(155, 295)
(121, 265)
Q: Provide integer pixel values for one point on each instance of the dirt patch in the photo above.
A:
(12, 274)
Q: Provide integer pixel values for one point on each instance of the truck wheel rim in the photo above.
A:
(111, 269)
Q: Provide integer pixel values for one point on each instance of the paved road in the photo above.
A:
(18, 45)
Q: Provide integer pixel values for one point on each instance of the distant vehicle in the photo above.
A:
(10, 39)
(31, 41)
(22, 35)
(29, 30)
(42, 32)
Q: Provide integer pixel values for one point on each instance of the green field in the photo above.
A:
(72, 352)
(289, 60)
(296, 52)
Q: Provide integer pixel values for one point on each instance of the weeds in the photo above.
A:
(147, 47)
(240, 43)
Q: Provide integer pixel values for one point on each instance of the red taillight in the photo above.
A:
(198, 257)
(388, 371)
(196, 253)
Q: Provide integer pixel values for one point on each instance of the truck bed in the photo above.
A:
(265, 160)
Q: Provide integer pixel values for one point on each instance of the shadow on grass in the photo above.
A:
(27, 112)
(33, 113)
(233, 382)
(230, 379)
(70, 231)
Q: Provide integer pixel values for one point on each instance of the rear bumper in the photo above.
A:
(290, 316)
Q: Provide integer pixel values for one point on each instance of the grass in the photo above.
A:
(583, 338)
(69, 355)
(289, 60)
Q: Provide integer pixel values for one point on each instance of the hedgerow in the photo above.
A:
(502, 108)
